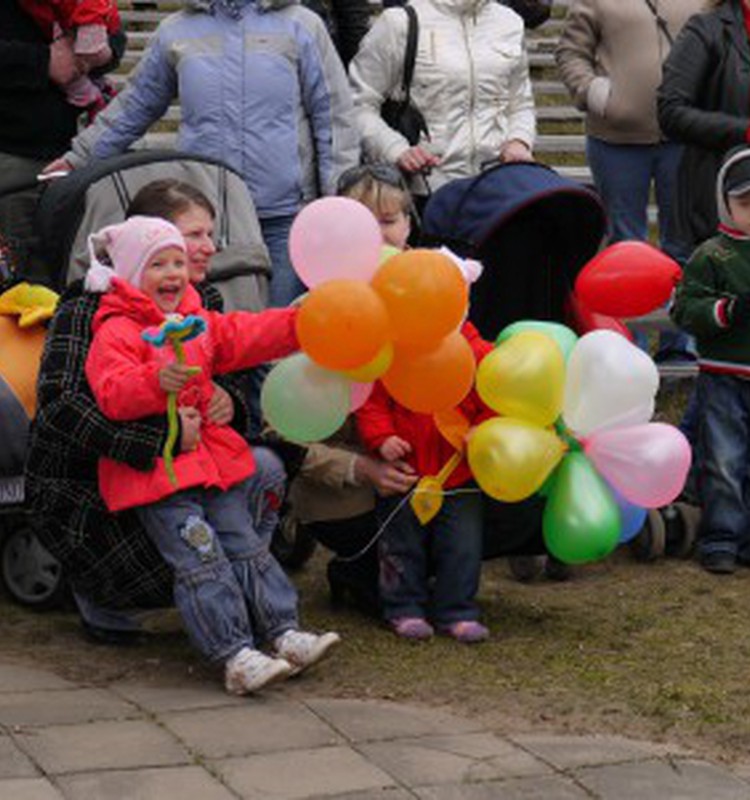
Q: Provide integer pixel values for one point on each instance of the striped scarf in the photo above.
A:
(232, 8)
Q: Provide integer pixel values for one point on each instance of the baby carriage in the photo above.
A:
(533, 230)
(69, 209)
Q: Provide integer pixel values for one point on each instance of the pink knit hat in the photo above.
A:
(128, 247)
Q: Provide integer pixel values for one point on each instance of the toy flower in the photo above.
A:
(175, 330)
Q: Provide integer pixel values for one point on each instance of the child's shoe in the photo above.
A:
(250, 670)
(302, 649)
(415, 628)
(466, 631)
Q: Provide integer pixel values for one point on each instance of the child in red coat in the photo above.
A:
(230, 591)
(90, 23)
(451, 542)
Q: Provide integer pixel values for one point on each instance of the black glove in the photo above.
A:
(739, 309)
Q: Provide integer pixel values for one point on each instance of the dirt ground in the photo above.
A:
(657, 651)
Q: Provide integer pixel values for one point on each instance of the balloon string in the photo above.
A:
(405, 499)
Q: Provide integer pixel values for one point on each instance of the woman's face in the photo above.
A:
(197, 226)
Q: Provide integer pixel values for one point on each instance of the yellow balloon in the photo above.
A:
(372, 369)
(524, 377)
(512, 458)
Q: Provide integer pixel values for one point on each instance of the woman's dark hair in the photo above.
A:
(168, 198)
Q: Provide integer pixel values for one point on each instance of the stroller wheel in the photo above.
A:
(31, 574)
(651, 542)
(292, 543)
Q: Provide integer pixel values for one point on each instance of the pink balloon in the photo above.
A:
(647, 464)
(360, 393)
(335, 237)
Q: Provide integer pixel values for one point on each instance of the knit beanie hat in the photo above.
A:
(123, 250)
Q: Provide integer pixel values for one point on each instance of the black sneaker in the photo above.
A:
(720, 563)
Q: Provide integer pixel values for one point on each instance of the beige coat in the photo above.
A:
(326, 488)
(610, 57)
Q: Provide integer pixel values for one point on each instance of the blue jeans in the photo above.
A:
(285, 285)
(451, 543)
(267, 487)
(623, 175)
(724, 435)
(230, 591)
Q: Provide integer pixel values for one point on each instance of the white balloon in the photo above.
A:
(609, 383)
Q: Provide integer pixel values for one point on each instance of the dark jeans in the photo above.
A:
(724, 435)
(451, 543)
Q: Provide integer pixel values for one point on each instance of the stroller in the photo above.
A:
(69, 209)
(533, 231)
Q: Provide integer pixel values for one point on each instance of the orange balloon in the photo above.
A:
(343, 324)
(425, 294)
(433, 381)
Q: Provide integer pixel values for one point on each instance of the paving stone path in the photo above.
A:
(60, 739)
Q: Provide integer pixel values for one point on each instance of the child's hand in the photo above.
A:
(174, 376)
(394, 448)
(190, 427)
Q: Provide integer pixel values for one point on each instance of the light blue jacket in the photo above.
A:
(266, 93)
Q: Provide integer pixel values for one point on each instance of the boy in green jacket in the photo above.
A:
(713, 304)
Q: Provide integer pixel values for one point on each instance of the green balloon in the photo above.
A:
(564, 336)
(304, 402)
(581, 520)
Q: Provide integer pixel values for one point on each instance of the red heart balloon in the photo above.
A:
(627, 279)
(582, 319)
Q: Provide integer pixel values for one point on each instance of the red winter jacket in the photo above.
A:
(381, 416)
(71, 14)
(122, 370)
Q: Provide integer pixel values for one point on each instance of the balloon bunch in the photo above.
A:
(626, 279)
(369, 314)
(575, 425)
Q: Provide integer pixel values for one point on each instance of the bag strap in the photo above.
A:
(661, 22)
(412, 35)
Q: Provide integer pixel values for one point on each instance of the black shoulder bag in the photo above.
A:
(661, 22)
(402, 115)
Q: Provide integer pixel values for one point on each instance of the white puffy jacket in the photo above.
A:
(471, 82)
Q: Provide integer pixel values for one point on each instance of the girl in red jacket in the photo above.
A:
(230, 591)
(450, 545)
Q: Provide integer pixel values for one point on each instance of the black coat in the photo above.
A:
(704, 103)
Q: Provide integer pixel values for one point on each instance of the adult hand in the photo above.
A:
(54, 168)
(394, 478)
(220, 406)
(514, 151)
(62, 61)
(174, 376)
(190, 428)
(417, 159)
(394, 448)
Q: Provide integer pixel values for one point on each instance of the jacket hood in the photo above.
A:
(210, 6)
(726, 223)
(124, 300)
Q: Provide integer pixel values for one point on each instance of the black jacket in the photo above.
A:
(35, 119)
(704, 103)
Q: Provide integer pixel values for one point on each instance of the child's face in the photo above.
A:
(739, 208)
(165, 278)
(395, 226)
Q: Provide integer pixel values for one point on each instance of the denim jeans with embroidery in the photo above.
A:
(230, 591)
(724, 448)
(450, 546)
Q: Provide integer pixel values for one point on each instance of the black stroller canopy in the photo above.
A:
(532, 229)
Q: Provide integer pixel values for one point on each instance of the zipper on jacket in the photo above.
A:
(472, 99)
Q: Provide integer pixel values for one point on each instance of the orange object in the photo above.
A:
(343, 324)
(433, 381)
(20, 354)
(425, 294)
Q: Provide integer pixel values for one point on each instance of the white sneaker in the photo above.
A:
(251, 670)
(302, 649)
